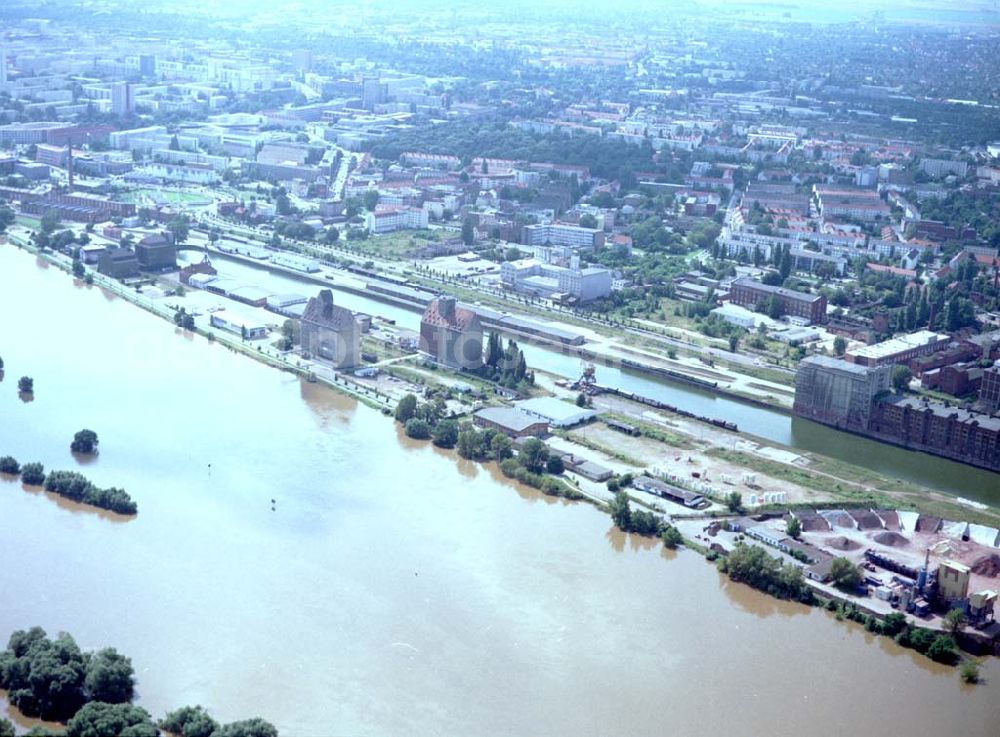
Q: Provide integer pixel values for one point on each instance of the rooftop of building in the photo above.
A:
(554, 409)
(509, 417)
(836, 364)
(444, 312)
(898, 344)
(939, 409)
(780, 291)
(323, 312)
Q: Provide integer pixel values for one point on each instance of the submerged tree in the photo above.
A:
(85, 441)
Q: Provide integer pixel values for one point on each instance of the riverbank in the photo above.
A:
(770, 426)
(847, 483)
(877, 616)
(334, 380)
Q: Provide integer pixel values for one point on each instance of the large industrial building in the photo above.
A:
(330, 332)
(838, 393)
(853, 397)
(451, 335)
(157, 252)
(118, 263)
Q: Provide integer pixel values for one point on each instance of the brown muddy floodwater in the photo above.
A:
(393, 591)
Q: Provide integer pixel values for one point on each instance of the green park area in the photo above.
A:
(396, 245)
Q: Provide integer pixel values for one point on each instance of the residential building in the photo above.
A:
(123, 140)
(330, 332)
(934, 427)
(451, 335)
(563, 235)
(122, 98)
(373, 92)
(392, 219)
(944, 167)
(24, 134)
(858, 204)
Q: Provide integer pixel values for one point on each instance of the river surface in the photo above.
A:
(392, 590)
(931, 471)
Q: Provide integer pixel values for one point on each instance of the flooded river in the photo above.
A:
(393, 590)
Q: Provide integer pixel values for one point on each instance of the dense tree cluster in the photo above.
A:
(961, 209)
(294, 229)
(483, 445)
(935, 645)
(53, 679)
(752, 565)
(944, 304)
(506, 366)
(84, 441)
(520, 469)
(32, 474)
(844, 574)
(99, 719)
(671, 537)
(184, 319)
(427, 421)
(189, 721)
(606, 158)
(72, 485)
(76, 487)
(639, 521)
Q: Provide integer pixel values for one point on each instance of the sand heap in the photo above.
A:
(988, 565)
(892, 539)
(842, 543)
